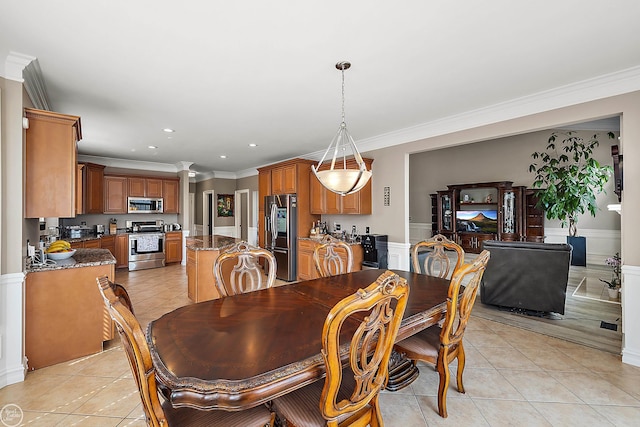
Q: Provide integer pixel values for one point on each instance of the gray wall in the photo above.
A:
(504, 159)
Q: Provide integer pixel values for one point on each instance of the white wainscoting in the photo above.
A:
(419, 231)
(601, 244)
(198, 229)
(229, 230)
(253, 236)
(398, 258)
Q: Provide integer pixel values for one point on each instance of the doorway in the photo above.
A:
(207, 212)
(242, 214)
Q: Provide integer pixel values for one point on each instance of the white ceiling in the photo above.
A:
(224, 74)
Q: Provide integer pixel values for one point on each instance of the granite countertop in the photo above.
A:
(317, 240)
(82, 258)
(210, 243)
(92, 236)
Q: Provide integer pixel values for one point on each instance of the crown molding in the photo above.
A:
(14, 64)
(129, 164)
(605, 86)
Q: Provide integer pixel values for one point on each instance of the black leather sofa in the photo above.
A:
(526, 275)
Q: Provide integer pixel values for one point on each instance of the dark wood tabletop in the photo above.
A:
(238, 352)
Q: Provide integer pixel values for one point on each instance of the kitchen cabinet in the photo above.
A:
(79, 190)
(171, 195)
(144, 187)
(65, 316)
(108, 241)
(89, 243)
(51, 169)
(92, 188)
(283, 179)
(115, 194)
(173, 246)
(325, 202)
(307, 267)
(122, 250)
(291, 176)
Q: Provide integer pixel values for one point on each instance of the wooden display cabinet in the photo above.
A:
(472, 213)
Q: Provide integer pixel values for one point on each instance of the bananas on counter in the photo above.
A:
(59, 246)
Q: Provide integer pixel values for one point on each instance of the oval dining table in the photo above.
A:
(238, 352)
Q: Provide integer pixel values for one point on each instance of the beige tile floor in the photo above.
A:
(513, 378)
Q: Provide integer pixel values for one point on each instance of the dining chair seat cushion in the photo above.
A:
(254, 417)
(302, 407)
(425, 343)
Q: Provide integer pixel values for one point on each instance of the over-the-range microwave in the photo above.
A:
(144, 205)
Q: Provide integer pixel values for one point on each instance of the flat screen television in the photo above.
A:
(480, 221)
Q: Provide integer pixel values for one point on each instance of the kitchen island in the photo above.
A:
(65, 316)
(202, 251)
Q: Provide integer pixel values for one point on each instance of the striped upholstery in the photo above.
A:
(255, 417)
(301, 408)
(426, 343)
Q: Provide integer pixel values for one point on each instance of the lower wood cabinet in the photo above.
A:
(65, 316)
(108, 241)
(173, 247)
(472, 242)
(122, 251)
(306, 266)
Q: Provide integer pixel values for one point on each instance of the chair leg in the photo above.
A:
(443, 386)
(461, 361)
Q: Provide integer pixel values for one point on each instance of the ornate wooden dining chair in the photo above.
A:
(163, 414)
(349, 396)
(437, 261)
(326, 257)
(442, 345)
(246, 275)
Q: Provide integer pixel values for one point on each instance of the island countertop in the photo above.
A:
(82, 258)
(210, 243)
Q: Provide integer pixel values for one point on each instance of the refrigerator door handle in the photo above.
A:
(274, 224)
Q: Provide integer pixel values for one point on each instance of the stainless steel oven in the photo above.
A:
(146, 244)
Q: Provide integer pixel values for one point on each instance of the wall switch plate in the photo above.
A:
(336, 226)
(366, 230)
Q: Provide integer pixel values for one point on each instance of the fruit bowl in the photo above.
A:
(56, 256)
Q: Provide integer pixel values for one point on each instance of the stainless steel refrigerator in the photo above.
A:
(281, 231)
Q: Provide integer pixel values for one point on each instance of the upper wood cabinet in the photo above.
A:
(115, 194)
(145, 187)
(284, 179)
(291, 176)
(327, 202)
(92, 188)
(171, 195)
(51, 169)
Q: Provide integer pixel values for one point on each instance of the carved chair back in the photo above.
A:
(459, 306)
(382, 305)
(327, 259)
(137, 351)
(247, 275)
(437, 261)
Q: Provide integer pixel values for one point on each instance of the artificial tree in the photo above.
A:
(569, 177)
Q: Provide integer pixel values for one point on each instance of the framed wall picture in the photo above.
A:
(225, 204)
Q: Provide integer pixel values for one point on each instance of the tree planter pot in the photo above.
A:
(613, 292)
(579, 252)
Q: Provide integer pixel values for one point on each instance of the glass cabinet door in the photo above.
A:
(446, 212)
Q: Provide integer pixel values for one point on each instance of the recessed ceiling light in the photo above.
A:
(223, 157)
(253, 145)
(168, 130)
(153, 147)
(192, 174)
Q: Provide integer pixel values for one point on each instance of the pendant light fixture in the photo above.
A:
(336, 175)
